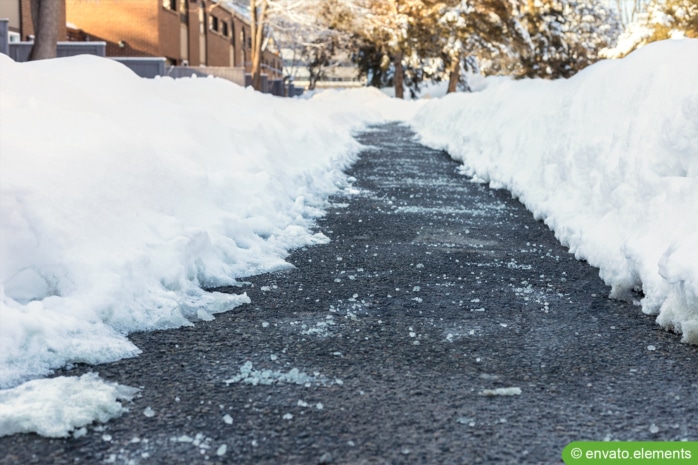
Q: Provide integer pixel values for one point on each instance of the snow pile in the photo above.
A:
(608, 159)
(121, 197)
(54, 407)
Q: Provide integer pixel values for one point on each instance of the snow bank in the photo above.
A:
(121, 197)
(608, 158)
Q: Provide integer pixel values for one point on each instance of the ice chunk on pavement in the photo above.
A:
(228, 419)
(510, 391)
(54, 407)
(249, 375)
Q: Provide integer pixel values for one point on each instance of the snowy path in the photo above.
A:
(433, 293)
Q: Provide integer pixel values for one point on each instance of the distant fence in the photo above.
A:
(5, 36)
(19, 51)
(236, 75)
(146, 67)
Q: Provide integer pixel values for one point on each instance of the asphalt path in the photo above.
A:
(395, 342)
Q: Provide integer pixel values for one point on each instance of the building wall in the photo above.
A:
(130, 27)
(10, 10)
(193, 25)
(219, 38)
(26, 27)
(242, 37)
(273, 65)
(20, 18)
(169, 34)
(200, 32)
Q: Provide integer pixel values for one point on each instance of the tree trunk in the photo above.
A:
(453, 75)
(45, 18)
(257, 28)
(398, 78)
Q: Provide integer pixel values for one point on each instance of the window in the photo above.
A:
(214, 23)
(170, 4)
(224, 28)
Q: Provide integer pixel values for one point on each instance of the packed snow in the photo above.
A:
(55, 407)
(608, 159)
(121, 198)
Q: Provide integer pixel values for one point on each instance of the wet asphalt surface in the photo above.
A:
(432, 291)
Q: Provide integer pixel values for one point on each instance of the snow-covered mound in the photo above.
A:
(121, 197)
(608, 159)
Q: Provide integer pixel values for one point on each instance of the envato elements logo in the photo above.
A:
(645, 453)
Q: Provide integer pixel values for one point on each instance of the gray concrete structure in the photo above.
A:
(19, 51)
(148, 67)
(5, 36)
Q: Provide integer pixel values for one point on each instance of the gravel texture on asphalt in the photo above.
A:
(398, 342)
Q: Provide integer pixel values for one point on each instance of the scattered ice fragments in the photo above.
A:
(222, 450)
(200, 441)
(510, 391)
(227, 419)
(149, 412)
(249, 375)
(466, 421)
(651, 347)
(288, 416)
(321, 328)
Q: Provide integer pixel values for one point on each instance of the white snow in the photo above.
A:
(510, 391)
(248, 375)
(607, 159)
(55, 407)
(121, 197)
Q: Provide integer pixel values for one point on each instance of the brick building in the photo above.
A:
(185, 32)
(20, 19)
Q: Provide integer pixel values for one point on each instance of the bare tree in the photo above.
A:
(258, 13)
(45, 18)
